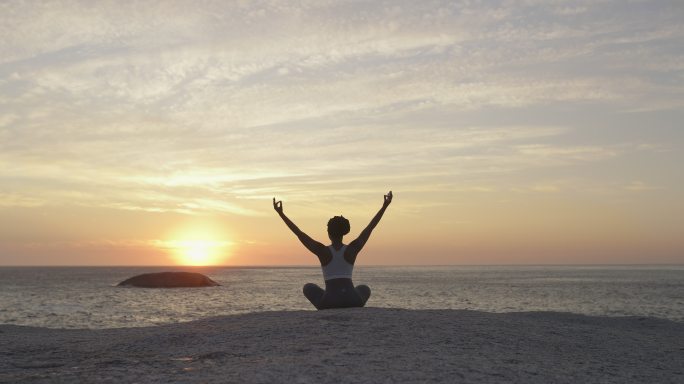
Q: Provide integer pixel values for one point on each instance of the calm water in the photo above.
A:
(87, 297)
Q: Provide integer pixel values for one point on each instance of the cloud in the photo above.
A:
(567, 154)
(639, 186)
(171, 106)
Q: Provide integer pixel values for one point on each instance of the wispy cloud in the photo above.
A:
(171, 106)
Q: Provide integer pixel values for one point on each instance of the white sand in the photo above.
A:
(361, 345)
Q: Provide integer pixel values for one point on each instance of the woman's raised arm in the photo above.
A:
(312, 245)
(360, 241)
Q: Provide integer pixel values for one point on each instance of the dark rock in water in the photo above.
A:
(169, 280)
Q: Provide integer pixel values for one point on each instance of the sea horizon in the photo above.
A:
(357, 265)
(88, 297)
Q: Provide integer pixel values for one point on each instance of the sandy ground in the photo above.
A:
(361, 345)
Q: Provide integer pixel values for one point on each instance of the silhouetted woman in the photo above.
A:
(337, 261)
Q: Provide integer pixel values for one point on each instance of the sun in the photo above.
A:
(198, 252)
(197, 243)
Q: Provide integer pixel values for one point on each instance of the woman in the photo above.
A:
(337, 260)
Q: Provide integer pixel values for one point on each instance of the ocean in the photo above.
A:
(87, 297)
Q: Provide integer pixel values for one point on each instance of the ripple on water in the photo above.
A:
(88, 297)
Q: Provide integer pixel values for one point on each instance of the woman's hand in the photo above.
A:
(388, 199)
(278, 205)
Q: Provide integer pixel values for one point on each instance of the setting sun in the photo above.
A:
(197, 243)
(198, 252)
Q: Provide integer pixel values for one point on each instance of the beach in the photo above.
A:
(359, 345)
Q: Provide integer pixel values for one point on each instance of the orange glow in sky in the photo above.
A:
(157, 133)
(197, 243)
(198, 252)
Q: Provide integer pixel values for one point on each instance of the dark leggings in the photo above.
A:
(338, 293)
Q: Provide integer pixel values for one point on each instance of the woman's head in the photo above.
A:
(338, 226)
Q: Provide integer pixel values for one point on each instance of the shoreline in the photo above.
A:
(355, 345)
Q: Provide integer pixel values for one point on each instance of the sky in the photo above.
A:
(510, 132)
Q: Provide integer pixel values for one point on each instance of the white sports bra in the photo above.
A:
(338, 267)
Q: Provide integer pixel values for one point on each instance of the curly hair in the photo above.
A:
(338, 226)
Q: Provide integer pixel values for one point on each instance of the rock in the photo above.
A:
(169, 280)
